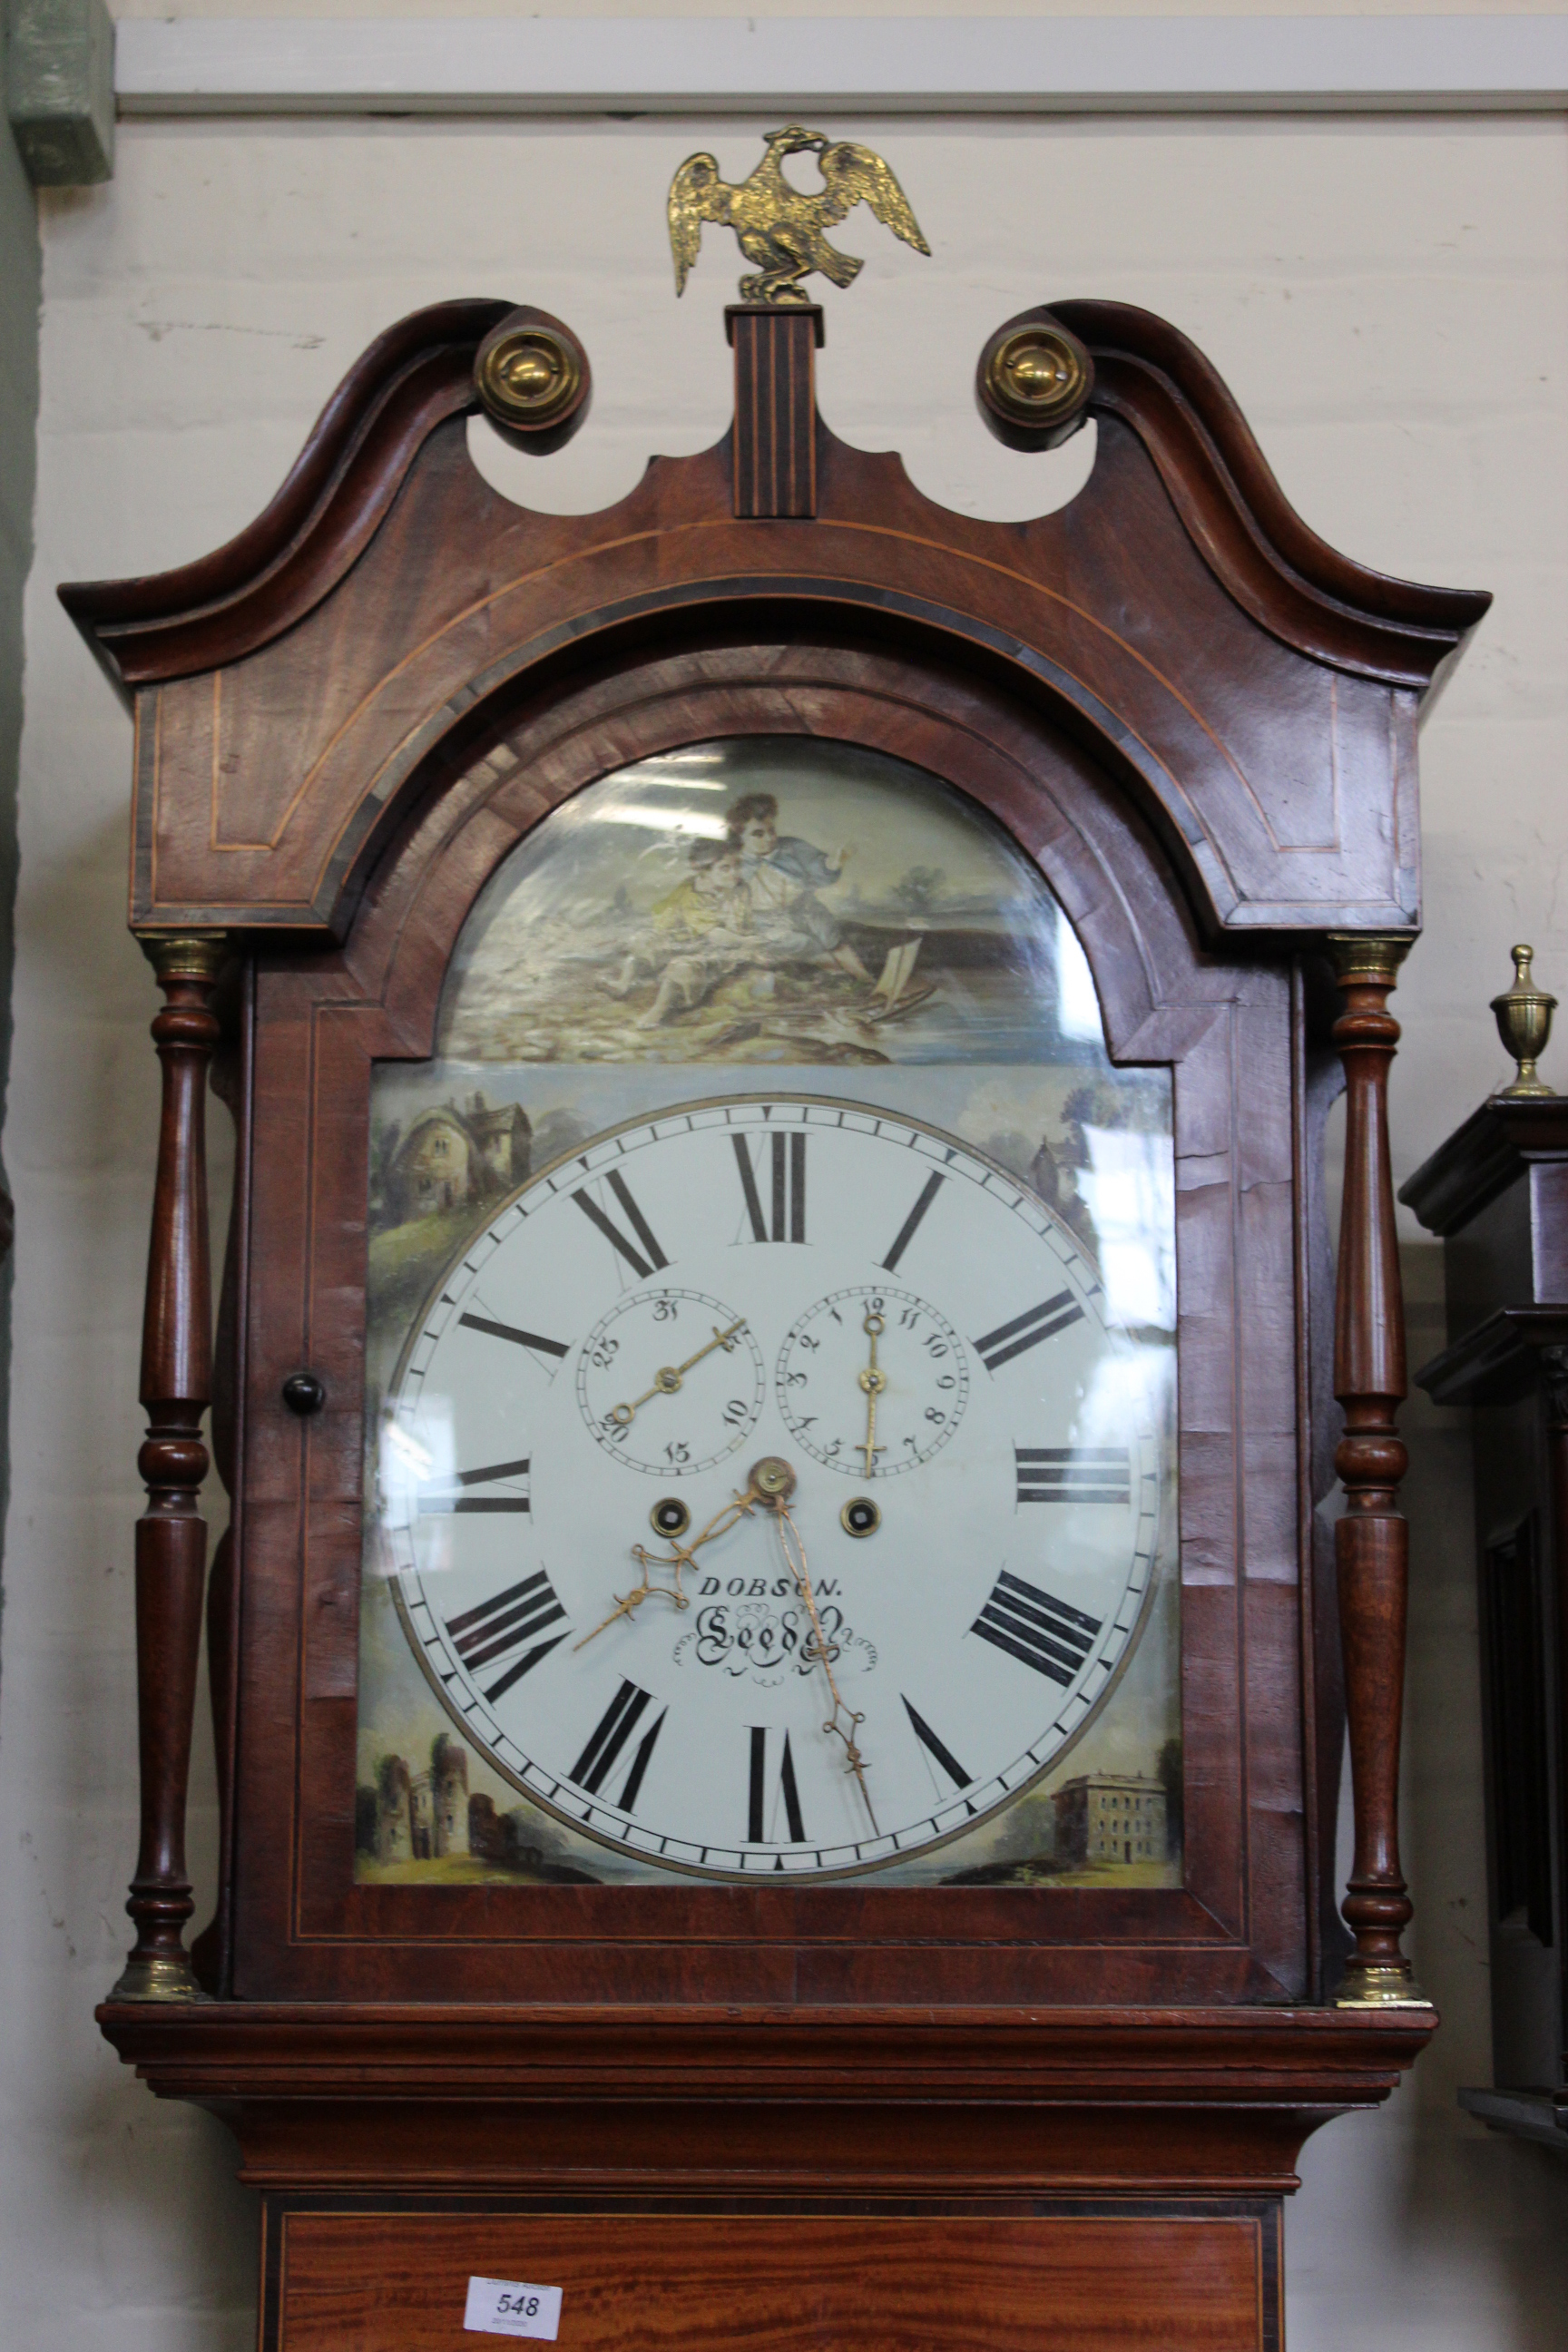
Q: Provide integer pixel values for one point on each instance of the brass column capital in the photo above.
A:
(184, 955)
(1367, 959)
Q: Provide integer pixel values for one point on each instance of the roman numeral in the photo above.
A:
(510, 1331)
(1074, 1473)
(756, 1809)
(787, 1190)
(936, 1749)
(434, 1501)
(1042, 1322)
(641, 1267)
(907, 1229)
(1046, 1634)
(611, 1733)
(511, 1622)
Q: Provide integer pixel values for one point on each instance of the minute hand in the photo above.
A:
(845, 1721)
(668, 1379)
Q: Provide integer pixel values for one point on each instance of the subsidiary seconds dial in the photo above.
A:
(872, 1381)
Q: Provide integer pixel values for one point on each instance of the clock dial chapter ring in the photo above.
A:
(872, 1381)
(671, 1382)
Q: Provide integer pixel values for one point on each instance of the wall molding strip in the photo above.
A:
(673, 65)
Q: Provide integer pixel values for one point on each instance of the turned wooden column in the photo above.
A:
(1371, 1540)
(171, 1535)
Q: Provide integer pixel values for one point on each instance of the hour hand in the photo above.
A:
(678, 1556)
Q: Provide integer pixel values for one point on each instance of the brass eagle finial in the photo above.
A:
(779, 228)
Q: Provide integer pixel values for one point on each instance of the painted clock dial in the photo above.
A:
(600, 1583)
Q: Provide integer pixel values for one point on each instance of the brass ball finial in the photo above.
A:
(526, 377)
(531, 375)
(1036, 377)
(1524, 1024)
(1034, 382)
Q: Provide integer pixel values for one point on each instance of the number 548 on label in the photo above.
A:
(511, 2307)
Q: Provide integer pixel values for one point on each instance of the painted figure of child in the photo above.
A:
(702, 932)
(781, 876)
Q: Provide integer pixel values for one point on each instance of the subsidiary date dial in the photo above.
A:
(671, 1382)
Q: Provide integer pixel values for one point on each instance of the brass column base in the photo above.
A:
(1380, 1986)
(158, 1977)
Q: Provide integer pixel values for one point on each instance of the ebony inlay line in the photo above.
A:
(775, 412)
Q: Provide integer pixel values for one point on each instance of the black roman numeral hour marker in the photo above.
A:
(907, 1230)
(641, 1267)
(511, 1621)
(1074, 1473)
(611, 1733)
(511, 1331)
(757, 1810)
(1042, 1322)
(434, 1501)
(934, 1747)
(1046, 1634)
(787, 1190)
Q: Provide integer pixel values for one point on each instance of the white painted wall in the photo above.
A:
(334, 9)
(1389, 301)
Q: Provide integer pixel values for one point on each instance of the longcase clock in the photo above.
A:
(780, 1661)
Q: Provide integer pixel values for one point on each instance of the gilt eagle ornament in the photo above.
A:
(780, 229)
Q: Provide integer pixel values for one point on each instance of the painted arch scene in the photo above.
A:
(759, 900)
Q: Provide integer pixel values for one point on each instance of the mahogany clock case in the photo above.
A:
(1200, 723)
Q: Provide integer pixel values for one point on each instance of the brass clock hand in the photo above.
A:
(678, 1557)
(873, 1380)
(845, 1721)
(668, 1378)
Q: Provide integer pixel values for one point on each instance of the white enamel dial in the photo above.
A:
(691, 1698)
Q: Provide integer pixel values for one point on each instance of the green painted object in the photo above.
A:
(59, 74)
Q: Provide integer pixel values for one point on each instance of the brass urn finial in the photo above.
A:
(1524, 1024)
